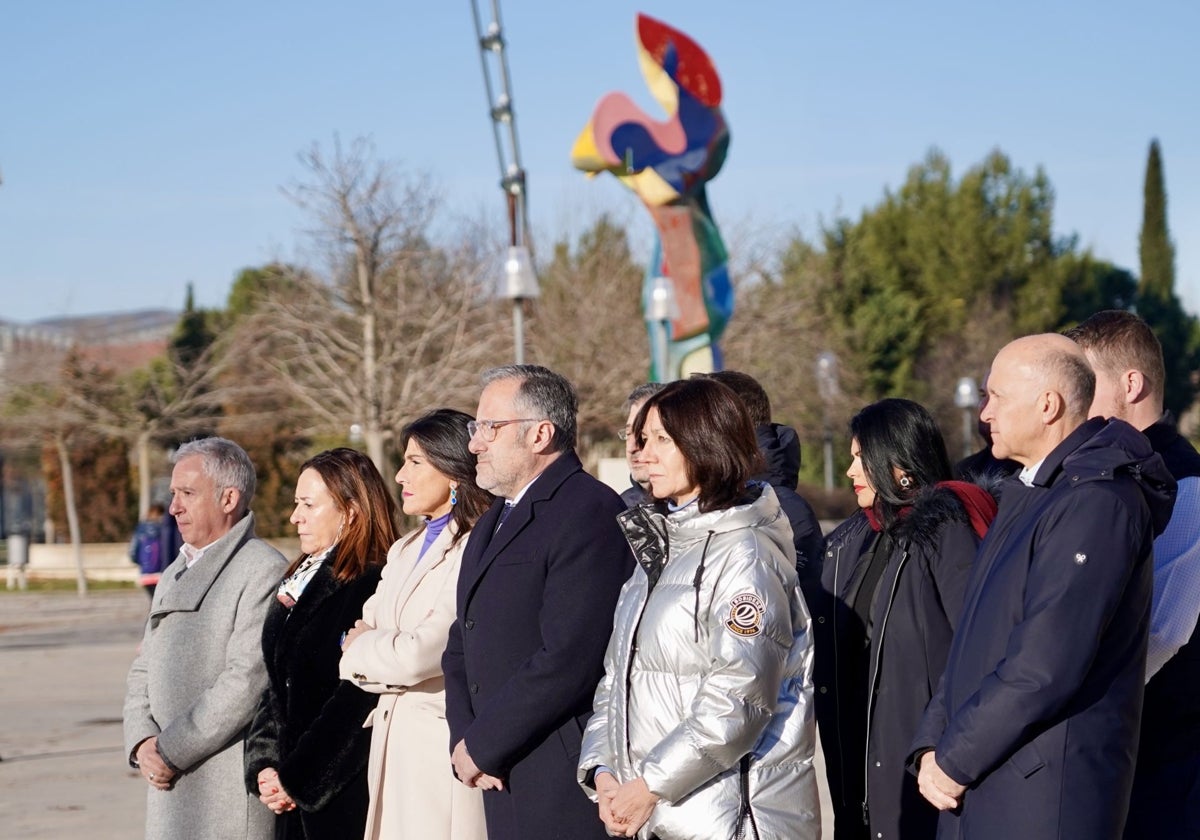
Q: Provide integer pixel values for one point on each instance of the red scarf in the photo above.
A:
(977, 502)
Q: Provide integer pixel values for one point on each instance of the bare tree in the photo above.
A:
(40, 412)
(588, 325)
(169, 399)
(394, 326)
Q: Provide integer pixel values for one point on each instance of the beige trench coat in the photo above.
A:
(414, 793)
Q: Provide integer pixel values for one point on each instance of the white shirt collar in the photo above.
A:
(513, 501)
(1029, 473)
(192, 554)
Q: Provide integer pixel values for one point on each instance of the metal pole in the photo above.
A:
(519, 331)
(508, 151)
(662, 351)
(828, 459)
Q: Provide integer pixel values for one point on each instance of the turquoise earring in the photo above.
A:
(453, 495)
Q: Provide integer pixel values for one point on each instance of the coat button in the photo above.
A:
(385, 713)
(469, 623)
(820, 619)
(877, 764)
(474, 688)
(823, 690)
(287, 683)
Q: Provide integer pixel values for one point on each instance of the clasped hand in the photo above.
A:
(469, 773)
(152, 767)
(624, 808)
(354, 632)
(271, 792)
(943, 792)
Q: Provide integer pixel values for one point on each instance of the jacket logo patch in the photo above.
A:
(1080, 558)
(745, 614)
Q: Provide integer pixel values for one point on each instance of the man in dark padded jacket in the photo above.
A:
(1033, 730)
(1130, 380)
(780, 448)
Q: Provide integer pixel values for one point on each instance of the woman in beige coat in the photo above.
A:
(395, 651)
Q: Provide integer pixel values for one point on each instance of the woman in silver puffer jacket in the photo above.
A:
(703, 724)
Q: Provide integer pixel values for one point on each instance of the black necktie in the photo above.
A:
(504, 512)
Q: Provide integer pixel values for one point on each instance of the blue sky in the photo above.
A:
(144, 145)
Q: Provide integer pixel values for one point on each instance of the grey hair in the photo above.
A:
(226, 463)
(642, 393)
(542, 394)
(1072, 374)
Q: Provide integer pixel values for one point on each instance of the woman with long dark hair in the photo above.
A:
(395, 650)
(306, 755)
(893, 582)
(703, 722)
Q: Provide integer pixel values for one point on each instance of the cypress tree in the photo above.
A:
(1155, 250)
(192, 333)
(1178, 331)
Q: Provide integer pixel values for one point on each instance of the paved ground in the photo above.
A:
(63, 661)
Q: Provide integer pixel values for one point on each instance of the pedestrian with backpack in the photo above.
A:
(145, 549)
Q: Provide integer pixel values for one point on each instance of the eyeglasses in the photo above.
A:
(624, 434)
(487, 429)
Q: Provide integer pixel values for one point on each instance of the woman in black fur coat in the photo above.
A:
(893, 583)
(306, 755)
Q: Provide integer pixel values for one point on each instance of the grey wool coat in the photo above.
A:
(196, 683)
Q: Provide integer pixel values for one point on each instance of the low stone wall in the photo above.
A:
(102, 561)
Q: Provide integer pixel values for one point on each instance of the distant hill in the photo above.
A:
(118, 340)
(114, 327)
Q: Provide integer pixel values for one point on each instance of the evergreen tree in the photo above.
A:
(1155, 250)
(193, 335)
(1157, 302)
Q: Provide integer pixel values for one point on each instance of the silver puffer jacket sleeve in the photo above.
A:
(596, 750)
(735, 699)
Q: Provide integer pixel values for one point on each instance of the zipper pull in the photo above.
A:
(866, 813)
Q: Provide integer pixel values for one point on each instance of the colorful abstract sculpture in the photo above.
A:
(667, 165)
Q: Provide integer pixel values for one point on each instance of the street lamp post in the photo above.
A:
(520, 285)
(520, 281)
(966, 397)
(827, 387)
(660, 309)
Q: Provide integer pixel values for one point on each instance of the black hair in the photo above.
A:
(899, 434)
(443, 437)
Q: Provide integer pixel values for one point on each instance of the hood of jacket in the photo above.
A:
(1104, 448)
(649, 528)
(780, 448)
(972, 504)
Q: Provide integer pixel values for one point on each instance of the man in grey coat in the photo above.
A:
(194, 686)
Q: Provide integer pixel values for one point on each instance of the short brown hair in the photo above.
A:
(1122, 341)
(712, 429)
(749, 390)
(641, 393)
